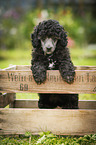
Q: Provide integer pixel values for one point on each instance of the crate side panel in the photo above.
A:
(22, 81)
(58, 121)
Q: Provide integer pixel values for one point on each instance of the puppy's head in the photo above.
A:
(48, 45)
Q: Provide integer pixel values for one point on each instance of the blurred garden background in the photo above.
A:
(19, 17)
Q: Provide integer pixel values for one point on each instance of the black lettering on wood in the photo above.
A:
(19, 77)
(87, 77)
(23, 87)
(55, 79)
(93, 79)
(22, 78)
(80, 78)
(76, 78)
(30, 78)
(60, 78)
(11, 77)
(51, 77)
(16, 78)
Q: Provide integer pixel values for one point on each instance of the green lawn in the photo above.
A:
(47, 138)
(23, 57)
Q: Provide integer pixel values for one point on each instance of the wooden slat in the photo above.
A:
(58, 121)
(22, 81)
(89, 104)
(29, 103)
(6, 99)
(11, 67)
(23, 67)
(25, 103)
(85, 67)
(28, 67)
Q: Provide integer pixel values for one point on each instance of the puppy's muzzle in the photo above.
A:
(49, 49)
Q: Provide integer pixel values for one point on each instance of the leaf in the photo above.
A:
(41, 133)
(40, 140)
(51, 135)
(28, 134)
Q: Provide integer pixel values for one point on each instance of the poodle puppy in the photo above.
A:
(50, 52)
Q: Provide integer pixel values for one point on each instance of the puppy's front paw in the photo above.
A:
(69, 77)
(39, 79)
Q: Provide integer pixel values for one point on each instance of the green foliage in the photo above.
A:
(8, 30)
(47, 138)
(73, 25)
(15, 32)
(90, 30)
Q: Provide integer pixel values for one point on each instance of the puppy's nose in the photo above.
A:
(49, 48)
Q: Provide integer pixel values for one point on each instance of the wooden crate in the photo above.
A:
(24, 115)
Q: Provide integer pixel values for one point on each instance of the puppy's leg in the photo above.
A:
(66, 66)
(48, 101)
(45, 101)
(67, 71)
(39, 72)
(69, 101)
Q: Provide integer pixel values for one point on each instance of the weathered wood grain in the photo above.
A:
(58, 121)
(87, 104)
(25, 103)
(29, 103)
(22, 81)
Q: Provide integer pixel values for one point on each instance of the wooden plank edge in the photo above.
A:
(11, 67)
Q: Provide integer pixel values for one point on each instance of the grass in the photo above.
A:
(47, 138)
(83, 56)
(23, 57)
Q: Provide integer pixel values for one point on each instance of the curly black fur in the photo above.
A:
(61, 59)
